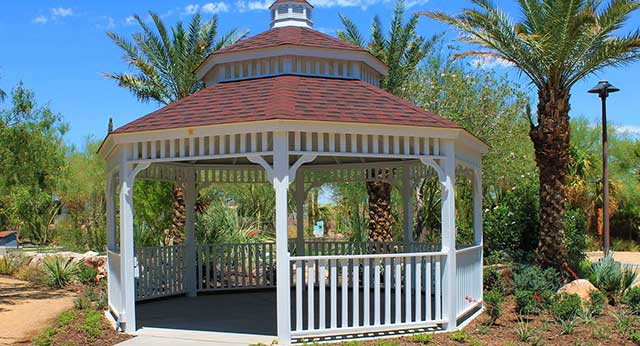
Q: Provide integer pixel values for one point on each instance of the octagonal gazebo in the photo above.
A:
(296, 108)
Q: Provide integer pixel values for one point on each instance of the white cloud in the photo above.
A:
(486, 62)
(61, 12)
(191, 9)
(40, 19)
(346, 3)
(215, 7)
(628, 130)
(130, 20)
(108, 23)
(412, 3)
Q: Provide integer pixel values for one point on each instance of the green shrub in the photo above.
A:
(632, 299)
(597, 303)
(45, 338)
(536, 279)
(494, 280)
(459, 336)
(31, 273)
(82, 303)
(575, 221)
(527, 303)
(66, 318)
(59, 271)
(635, 337)
(92, 324)
(424, 339)
(87, 275)
(567, 307)
(10, 263)
(612, 279)
(493, 304)
(548, 298)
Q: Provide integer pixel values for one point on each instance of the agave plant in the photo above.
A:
(610, 277)
(58, 271)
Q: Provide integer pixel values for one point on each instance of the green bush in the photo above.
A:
(58, 271)
(424, 339)
(597, 303)
(493, 304)
(494, 280)
(632, 299)
(548, 298)
(527, 303)
(575, 221)
(567, 307)
(92, 324)
(536, 279)
(612, 279)
(87, 275)
(10, 263)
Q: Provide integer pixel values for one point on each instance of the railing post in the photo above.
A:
(281, 186)
(190, 196)
(450, 289)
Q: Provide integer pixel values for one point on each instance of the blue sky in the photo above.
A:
(59, 50)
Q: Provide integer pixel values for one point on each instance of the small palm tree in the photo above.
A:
(556, 44)
(165, 64)
(401, 50)
(165, 74)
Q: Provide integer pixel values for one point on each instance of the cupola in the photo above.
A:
(291, 13)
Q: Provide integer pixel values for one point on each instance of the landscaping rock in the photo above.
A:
(581, 287)
(89, 258)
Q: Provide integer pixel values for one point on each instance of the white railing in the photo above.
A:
(113, 282)
(339, 294)
(469, 278)
(159, 271)
(235, 266)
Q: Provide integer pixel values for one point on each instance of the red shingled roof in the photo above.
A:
(289, 35)
(289, 98)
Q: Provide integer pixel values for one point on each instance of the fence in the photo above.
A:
(469, 278)
(159, 271)
(113, 282)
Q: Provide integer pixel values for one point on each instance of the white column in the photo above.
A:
(450, 289)
(300, 197)
(110, 191)
(281, 186)
(477, 206)
(190, 196)
(127, 281)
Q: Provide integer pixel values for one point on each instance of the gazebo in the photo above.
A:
(297, 108)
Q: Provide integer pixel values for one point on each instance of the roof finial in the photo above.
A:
(110, 126)
(291, 13)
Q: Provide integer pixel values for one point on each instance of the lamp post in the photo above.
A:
(603, 89)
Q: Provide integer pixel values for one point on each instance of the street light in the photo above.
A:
(603, 89)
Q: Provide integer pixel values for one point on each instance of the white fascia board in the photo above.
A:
(472, 142)
(281, 125)
(315, 52)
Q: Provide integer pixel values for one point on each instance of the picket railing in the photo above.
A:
(362, 293)
(469, 278)
(160, 271)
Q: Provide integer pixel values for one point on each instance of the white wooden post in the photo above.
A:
(300, 197)
(190, 196)
(110, 191)
(477, 206)
(281, 186)
(450, 289)
(127, 281)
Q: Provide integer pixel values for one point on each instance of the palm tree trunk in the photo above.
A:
(551, 142)
(380, 217)
(175, 235)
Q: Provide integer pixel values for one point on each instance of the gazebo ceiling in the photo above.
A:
(288, 97)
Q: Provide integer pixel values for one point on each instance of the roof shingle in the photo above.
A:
(288, 97)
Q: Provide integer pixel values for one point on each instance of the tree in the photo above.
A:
(401, 51)
(556, 44)
(32, 160)
(166, 65)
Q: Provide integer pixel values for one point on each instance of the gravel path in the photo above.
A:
(25, 309)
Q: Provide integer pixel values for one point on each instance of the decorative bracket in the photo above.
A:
(257, 159)
(446, 182)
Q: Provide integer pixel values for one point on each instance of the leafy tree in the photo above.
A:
(31, 162)
(165, 65)
(556, 44)
(401, 50)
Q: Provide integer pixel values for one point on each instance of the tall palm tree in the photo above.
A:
(401, 50)
(555, 44)
(165, 65)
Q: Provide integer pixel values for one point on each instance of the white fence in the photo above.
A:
(362, 293)
(160, 271)
(469, 278)
(113, 282)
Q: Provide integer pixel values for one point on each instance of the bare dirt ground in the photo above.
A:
(26, 309)
(621, 256)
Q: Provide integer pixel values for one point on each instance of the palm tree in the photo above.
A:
(556, 44)
(165, 65)
(401, 50)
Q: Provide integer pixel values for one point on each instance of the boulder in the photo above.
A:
(581, 287)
